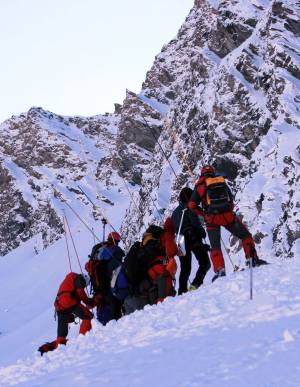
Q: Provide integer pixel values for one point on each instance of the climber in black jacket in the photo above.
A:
(193, 233)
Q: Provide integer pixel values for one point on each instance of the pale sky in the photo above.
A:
(77, 57)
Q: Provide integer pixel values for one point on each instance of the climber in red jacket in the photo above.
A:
(216, 200)
(68, 306)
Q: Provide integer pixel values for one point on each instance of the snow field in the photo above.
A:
(213, 336)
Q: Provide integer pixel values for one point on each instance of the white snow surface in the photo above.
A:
(214, 336)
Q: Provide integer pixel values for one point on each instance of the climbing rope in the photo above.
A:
(130, 192)
(78, 260)
(99, 209)
(66, 238)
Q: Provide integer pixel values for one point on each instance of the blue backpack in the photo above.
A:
(119, 283)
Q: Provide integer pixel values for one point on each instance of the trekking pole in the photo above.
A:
(104, 222)
(251, 278)
(235, 267)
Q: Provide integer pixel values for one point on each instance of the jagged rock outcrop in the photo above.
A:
(230, 80)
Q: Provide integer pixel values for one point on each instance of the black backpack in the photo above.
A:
(218, 197)
(131, 265)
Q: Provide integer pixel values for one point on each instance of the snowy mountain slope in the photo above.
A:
(225, 90)
(45, 157)
(230, 81)
(214, 336)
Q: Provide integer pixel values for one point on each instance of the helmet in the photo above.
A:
(208, 170)
(114, 236)
(185, 194)
(86, 278)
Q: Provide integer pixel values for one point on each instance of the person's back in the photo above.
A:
(106, 257)
(149, 267)
(187, 223)
(68, 306)
(212, 199)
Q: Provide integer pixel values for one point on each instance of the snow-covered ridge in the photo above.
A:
(46, 157)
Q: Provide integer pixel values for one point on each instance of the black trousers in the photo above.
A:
(202, 257)
(64, 318)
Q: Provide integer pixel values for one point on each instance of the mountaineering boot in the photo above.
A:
(256, 262)
(219, 273)
(52, 346)
(192, 287)
(47, 347)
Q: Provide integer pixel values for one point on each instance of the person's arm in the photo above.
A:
(81, 294)
(196, 199)
(195, 221)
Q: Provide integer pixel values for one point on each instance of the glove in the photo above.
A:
(206, 247)
(90, 302)
(97, 299)
(201, 219)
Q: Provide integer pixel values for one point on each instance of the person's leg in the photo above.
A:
(115, 308)
(216, 256)
(164, 287)
(86, 316)
(202, 257)
(185, 270)
(63, 320)
(238, 229)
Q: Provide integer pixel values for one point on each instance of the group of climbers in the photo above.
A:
(121, 284)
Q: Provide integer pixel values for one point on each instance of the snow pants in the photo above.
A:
(110, 309)
(162, 280)
(234, 225)
(66, 317)
(201, 254)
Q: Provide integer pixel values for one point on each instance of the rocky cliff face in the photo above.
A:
(230, 81)
(225, 91)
